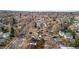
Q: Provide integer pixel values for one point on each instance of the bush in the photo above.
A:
(40, 43)
(12, 32)
(74, 43)
(77, 42)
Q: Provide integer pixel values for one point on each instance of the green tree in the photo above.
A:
(12, 32)
(14, 21)
(40, 43)
(72, 33)
(74, 43)
(77, 42)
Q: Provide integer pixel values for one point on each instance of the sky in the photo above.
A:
(40, 5)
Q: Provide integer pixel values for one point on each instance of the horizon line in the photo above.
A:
(42, 10)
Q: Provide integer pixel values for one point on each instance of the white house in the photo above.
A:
(5, 35)
(66, 35)
(61, 33)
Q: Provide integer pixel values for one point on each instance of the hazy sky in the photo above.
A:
(40, 5)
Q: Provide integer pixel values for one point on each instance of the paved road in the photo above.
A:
(16, 41)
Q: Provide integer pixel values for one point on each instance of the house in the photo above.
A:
(55, 39)
(61, 33)
(1, 40)
(66, 35)
(5, 35)
(41, 23)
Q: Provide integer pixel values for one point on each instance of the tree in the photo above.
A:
(77, 42)
(40, 43)
(12, 32)
(14, 21)
(73, 34)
